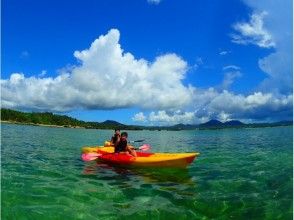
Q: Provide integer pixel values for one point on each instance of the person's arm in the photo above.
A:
(130, 146)
(131, 150)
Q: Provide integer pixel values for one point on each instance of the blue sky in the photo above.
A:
(190, 61)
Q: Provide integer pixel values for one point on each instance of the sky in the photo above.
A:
(149, 62)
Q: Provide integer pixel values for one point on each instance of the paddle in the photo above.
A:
(137, 141)
(141, 140)
(94, 156)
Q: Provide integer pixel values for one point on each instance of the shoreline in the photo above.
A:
(78, 127)
(41, 125)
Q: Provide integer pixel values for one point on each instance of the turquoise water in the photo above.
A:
(240, 174)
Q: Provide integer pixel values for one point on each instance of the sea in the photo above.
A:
(244, 173)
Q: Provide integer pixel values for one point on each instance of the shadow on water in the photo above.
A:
(149, 175)
(151, 192)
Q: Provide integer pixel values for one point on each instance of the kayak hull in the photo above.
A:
(155, 160)
(179, 160)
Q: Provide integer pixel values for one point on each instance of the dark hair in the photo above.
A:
(117, 129)
(124, 134)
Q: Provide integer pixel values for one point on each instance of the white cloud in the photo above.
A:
(154, 2)
(278, 66)
(231, 67)
(139, 117)
(163, 117)
(199, 62)
(257, 106)
(43, 73)
(275, 29)
(223, 117)
(224, 52)
(229, 78)
(224, 106)
(231, 73)
(107, 78)
(253, 32)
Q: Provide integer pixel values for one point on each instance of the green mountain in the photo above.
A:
(233, 123)
(215, 124)
(113, 123)
(211, 123)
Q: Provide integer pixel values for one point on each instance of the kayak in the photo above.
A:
(143, 159)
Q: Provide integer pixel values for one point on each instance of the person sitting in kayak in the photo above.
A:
(115, 138)
(122, 145)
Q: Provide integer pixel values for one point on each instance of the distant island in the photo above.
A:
(55, 120)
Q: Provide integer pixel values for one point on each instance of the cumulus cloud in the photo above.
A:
(139, 117)
(171, 117)
(253, 32)
(165, 117)
(271, 26)
(225, 105)
(106, 78)
(257, 106)
(279, 67)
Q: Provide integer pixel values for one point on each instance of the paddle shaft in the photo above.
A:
(136, 141)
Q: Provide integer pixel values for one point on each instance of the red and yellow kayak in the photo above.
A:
(143, 159)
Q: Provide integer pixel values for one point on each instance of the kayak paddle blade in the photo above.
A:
(145, 147)
(90, 156)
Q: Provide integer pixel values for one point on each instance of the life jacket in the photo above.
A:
(121, 146)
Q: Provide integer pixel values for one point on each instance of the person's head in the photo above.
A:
(124, 135)
(117, 131)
